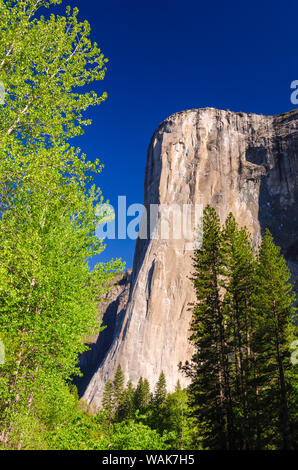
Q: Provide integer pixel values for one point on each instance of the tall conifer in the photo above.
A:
(118, 389)
(237, 303)
(273, 335)
(242, 393)
(210, 389)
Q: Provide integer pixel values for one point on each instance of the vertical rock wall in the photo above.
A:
(244, 163)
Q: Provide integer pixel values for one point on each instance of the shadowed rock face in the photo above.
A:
(114, 313)
(241, 163)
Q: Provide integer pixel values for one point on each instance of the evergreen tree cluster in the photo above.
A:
(243, 391)
(122, 403)
(167, 414)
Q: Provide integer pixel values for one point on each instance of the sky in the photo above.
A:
(168, 56)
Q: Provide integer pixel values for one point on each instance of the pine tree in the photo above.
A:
(157, 403)
(118, 389)
(108, 401)
(142, 395)
(237, 304)
(178, 386)
(272, 339)
(243, 391)
(146, 394)
(174, 417)
(127, 405)
(160, 391)
(210, 390)
(138, 395)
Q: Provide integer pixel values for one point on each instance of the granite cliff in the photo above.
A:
(244, 163)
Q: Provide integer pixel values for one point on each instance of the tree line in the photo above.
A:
(166, 413)
(243, 391)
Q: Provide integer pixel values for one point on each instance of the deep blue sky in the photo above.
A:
(167, 56)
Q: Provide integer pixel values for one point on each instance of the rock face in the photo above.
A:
(113, 307)
(241, 163)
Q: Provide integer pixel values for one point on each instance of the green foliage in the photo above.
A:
(44, 63)
(243, 385)
(127, 404)
(107, 401)
(169, 415)
(210, 360)
(142, 396)
(136, 436)
(48, 217)
(175, 418)
(160, 392)
(238, 311)
(118, 388)
(243, 392)
(274, 333)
